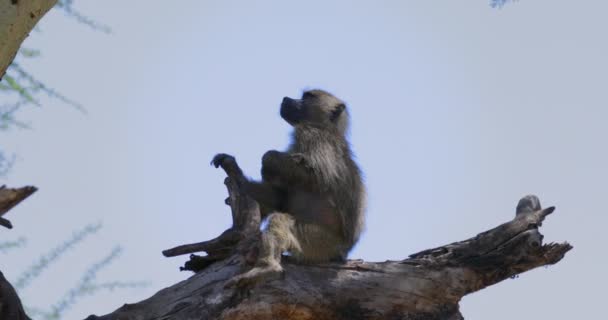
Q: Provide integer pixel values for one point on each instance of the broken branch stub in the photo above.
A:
(9, 198)
(505, 251)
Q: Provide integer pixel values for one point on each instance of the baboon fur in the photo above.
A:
(313, 193)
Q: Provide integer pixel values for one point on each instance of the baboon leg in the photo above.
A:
(277, 238)
(318, 244)
(268, 196)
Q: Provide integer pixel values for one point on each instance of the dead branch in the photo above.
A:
(427, 285)
(246, 225)
(10, 304)
(11, 197)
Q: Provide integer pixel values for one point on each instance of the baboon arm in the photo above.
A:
(266, 195)
(286, 168)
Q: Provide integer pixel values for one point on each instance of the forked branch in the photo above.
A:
(245, 226)
(427, 285)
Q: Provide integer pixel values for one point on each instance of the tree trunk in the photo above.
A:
(427, 285)
(17, 19)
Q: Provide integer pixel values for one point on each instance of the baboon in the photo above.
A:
(313, 193)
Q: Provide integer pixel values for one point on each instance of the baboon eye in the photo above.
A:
(335, 114)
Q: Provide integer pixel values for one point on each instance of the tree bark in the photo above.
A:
(10, 304)
(17, 19)
(427, 285)
(10, 198)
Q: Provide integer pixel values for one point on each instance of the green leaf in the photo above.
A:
(14, 85)
(29, 53)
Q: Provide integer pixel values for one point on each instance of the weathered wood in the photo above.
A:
(11, 197)
(427, 285)
(10, 304)
(239, 238)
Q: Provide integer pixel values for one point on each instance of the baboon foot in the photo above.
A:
(254, 276)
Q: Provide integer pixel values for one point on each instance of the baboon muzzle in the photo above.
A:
(291, 110)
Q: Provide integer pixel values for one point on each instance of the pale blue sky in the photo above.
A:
(458, 111)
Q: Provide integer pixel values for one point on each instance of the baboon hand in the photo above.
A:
(271, 157)
(299, 158)
(271, 165)
(220, 159)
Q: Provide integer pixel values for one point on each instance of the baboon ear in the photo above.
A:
(335, 114)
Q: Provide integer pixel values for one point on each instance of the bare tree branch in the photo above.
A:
(10, 304)
(427, 285)
(239, 238)
(10, 198)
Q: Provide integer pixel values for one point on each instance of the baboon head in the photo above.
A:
(316, 108)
